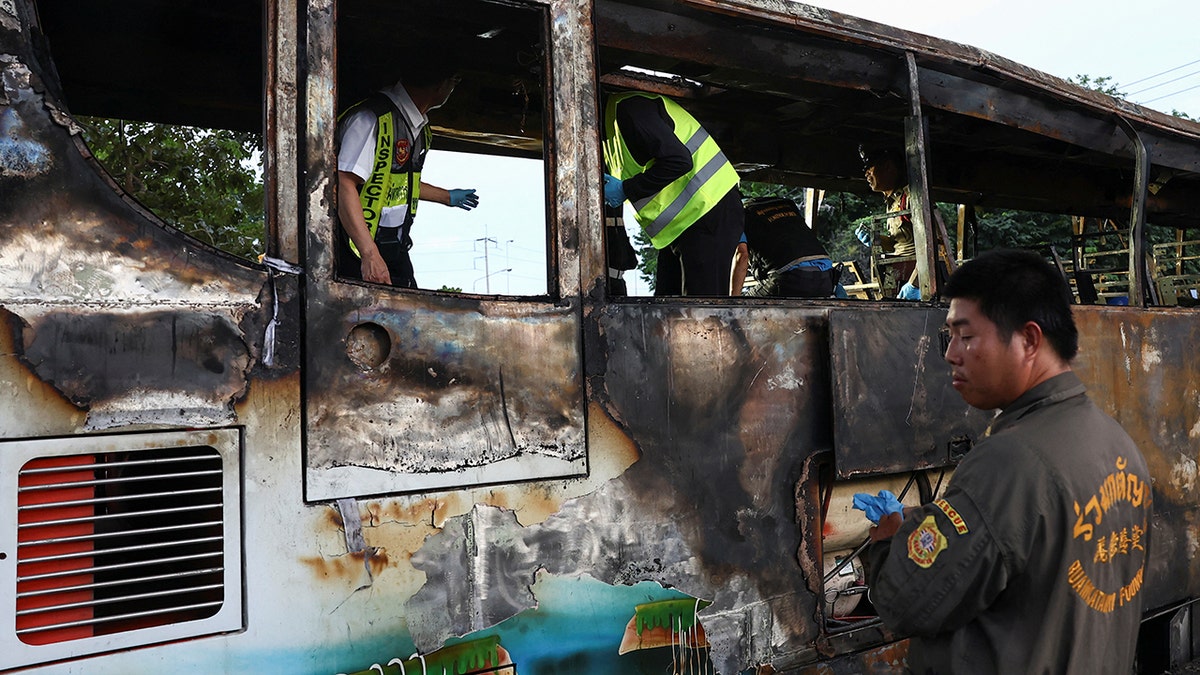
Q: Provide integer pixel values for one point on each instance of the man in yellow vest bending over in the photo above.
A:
(682, 187)
(382, 143)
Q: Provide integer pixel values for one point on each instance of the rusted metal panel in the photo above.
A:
(408, 392)
(152, 366)
(894, 407)
(703, 421)
(1141, 368)
(726, 406)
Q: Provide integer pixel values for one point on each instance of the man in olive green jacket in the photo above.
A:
(1033, 559)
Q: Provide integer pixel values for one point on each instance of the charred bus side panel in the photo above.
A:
(262, 467)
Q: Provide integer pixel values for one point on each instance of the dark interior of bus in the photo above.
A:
(788, 107)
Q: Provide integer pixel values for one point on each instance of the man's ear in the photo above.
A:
(1031, 338)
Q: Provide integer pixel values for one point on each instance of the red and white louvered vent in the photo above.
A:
(119, 541)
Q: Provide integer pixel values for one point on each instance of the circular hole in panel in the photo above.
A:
(368, 345)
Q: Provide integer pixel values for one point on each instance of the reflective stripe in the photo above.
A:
(710, 169)
(372, 196)
(697, 140)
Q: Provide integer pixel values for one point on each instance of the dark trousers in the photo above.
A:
(392, 247)
(700, 259)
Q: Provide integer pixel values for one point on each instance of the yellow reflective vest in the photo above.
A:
(396, 173)
(667, 213)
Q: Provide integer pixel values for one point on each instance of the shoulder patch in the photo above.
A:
(403, 151)
(925, 543)
(960, 525)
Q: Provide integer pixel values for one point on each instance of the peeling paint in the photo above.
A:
(1151, 357)
(785, 380)
(20, 155)
(1183, 475)
(350, 569)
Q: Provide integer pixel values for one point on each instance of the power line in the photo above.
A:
(1169, 70)
(1162, 84)
(1197, 86)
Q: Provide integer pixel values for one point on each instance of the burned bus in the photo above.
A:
(231, 463)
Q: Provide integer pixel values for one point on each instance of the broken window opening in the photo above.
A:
(207, 183)
(847, 604)
(173, 111)
(486, 137)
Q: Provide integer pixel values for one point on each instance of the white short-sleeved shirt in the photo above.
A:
(356, 151)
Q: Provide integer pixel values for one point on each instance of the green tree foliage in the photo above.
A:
(1000, 228)
(647, 257)
(1103, 84)
(840, 213)
(206, 182)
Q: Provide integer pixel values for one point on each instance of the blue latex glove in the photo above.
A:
(909, 292)
(614, 191)
(863, 234)
(878, 506)
(464, 199)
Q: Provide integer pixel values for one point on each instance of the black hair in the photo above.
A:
(428, 64)
(872, 155)
(1014, 287)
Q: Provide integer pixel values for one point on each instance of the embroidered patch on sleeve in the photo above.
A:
(925, 543)
(960, 525)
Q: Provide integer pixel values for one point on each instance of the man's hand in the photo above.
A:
(614, 191)
(464, 199)
(877, 506)
(374, 269)
(887, 527)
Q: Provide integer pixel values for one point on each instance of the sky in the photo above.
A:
(497, 248)
(1127, 41)
(1149, 48)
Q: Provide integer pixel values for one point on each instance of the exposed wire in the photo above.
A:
(1169, 70)
(1197, 86)
(1163, 84)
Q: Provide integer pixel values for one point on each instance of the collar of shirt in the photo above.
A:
(399, 95)
(896, 200)
(1058, 388)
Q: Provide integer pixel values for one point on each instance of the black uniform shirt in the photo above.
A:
(649, 133)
